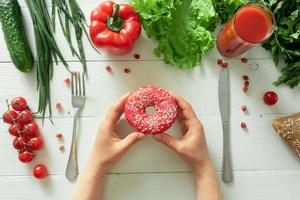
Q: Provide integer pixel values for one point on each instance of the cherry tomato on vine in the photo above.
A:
(18, 143)
(40, 171)
(13, 129)
(35, 144)
(8, 117)
(30, 130)
(24, 117)
(25, 157)
(19, 104)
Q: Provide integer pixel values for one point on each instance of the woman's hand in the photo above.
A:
(109, 147)
(192, 145)
(107, 150)
(193, 149)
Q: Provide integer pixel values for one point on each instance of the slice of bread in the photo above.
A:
(289, 129)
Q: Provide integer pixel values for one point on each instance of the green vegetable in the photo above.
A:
(46, 49)
(73, 15)
(285, 42)
(227, 8)
(14, 35)
(183, 28)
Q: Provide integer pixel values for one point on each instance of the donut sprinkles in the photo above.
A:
(151, 96)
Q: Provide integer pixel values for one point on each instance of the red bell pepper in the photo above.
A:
(114, 27)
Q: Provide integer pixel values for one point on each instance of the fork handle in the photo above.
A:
(72, 166)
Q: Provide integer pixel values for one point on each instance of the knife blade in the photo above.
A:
(224, 104)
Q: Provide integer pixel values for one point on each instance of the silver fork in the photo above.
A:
(78, 100)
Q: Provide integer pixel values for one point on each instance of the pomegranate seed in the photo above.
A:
(59, 135)
(137, 56)
(244, 108)
(67, 81)
(219, 61)
(245, 89)
(246, 84)
(224, 65)
(243, 125)
(127, 70)
(245, 77)
(244, 60)
(62, 148)
(109, 69)
(58, 106)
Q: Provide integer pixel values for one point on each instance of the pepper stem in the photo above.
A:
(116, 10)
(115, 22)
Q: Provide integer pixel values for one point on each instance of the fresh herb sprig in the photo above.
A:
(285, 42)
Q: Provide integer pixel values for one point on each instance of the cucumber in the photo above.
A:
(14, 35)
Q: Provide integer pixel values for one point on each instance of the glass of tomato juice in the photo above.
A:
(252, 24)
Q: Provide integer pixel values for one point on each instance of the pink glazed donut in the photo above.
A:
(151, 96)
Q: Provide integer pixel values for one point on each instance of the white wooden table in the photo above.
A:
(264, 167)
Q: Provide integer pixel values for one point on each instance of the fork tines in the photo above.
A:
(78, 84)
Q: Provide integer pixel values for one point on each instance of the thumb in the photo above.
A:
(167, 140)
(131, 139)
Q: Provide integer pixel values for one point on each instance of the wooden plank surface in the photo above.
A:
(264, 167)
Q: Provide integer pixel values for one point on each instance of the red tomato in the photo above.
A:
(25, 157)
(35, 144)
(40, 171)
(30, 130)
(270, 98)
(8, 117)
(18, 143)
(19, 104)
(24, 117)
(13, 129)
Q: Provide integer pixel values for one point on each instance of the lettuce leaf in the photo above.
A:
(183, 28)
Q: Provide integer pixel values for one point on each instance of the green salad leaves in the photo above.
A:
(183, 28)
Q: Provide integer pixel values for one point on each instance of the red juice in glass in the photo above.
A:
(251, 25)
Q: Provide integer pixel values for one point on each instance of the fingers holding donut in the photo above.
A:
(188, 112)
(115, 112)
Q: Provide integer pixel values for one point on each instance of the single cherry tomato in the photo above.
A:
(40, 171)
(18, 143)
(35, 144)
(8, 117)
(14, 128)
(25, 157)
(24, 117)
(270, 98)
(19, 104)
(30, 130)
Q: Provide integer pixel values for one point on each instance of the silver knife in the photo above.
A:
(224, 104)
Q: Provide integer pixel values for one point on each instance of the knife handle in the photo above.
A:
(226, 163)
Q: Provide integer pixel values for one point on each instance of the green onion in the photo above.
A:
(46, 48)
